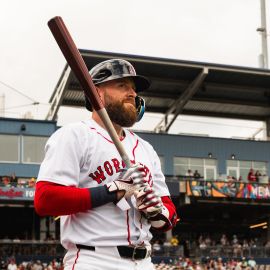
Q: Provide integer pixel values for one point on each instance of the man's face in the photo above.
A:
(119, 101)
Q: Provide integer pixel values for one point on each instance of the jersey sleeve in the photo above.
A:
(64, 156)
(159, 184)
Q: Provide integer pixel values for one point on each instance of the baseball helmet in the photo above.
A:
(115, 69)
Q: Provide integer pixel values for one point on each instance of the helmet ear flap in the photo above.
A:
(140, 107)
(87, 104)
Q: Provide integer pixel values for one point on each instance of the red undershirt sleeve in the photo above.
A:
(57, 200)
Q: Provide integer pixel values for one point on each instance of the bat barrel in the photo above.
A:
(75, 60)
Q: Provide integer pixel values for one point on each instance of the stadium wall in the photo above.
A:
(170, 146)
(166, 145)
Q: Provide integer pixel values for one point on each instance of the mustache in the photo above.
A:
(130, 100)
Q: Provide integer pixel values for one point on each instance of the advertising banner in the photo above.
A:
(19, 194)
(228, 189)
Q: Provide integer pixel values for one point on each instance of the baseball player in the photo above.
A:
(106, 209)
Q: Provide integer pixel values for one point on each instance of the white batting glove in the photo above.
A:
(150, 204)
(129, 180)
(148, 201)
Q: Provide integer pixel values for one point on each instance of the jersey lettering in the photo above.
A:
(113, 166)
(116, 165)
(108, 168)
(98, 175)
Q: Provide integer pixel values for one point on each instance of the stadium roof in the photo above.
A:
(182, 87)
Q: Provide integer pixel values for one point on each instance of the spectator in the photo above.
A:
(264, 179)
(3, 264)
(197, 174)
(200, 239)
(167, 243)
(37, 265)
(224, 240)
(13, 179)
(203, 248)
(32, 183)
(12, 265)
(244, 263)
(237, 250)
(203, 245)
(181, 262)
(208, 240)
(174, 241)
(245, 247)
(267, 248)
(189, 173)
(156, 247)
(251, 263)
(235, 239)
(188, 264)
(258, 175)
(219, 264)
(6, 181)
(20, 184)
(198, 266)
(251, 176)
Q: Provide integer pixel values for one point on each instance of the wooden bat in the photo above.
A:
(78, 66)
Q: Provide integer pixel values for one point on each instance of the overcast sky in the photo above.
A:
(217, 31)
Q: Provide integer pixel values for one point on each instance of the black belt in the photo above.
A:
(134, 253)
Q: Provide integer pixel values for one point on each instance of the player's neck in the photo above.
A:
(119, 130)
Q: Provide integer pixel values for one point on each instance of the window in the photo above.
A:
(241, 168)
(9, 150)
(33, 149)
(206, 167)
(161, 158)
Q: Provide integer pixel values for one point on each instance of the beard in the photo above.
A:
(119, 113)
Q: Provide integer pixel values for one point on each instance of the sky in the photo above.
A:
(215, 31)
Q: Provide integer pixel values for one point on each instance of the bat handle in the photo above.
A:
(111, 130)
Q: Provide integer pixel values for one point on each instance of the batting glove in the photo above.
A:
(150, 204)
(129, 180)
(148, 201)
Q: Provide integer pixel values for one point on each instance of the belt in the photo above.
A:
(134, 253)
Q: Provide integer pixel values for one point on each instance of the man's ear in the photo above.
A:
(100, 91)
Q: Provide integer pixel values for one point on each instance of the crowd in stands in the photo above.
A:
(13, 181)
(172, 264)
(11, 264)
(209, 264)
(199, 254)
(232, 247)
(252, 177)
(223, 246)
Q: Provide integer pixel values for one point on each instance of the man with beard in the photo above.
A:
(106, 209)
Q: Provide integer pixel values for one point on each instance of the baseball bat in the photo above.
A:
(78, 66)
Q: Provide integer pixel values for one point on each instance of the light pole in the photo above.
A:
(263, 57)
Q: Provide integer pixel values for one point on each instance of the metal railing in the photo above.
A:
(232, 252)
(9, 248)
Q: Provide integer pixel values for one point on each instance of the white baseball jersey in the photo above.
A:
(83, 155)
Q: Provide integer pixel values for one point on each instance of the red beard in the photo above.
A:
(121, 113)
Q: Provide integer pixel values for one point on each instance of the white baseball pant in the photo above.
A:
(103, 258)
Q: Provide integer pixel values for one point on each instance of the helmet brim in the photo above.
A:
(141, 82)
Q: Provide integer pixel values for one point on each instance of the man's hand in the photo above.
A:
(150, 204)
(128, 181)
(148, 201)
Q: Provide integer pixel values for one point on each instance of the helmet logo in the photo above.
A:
(131, 70)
